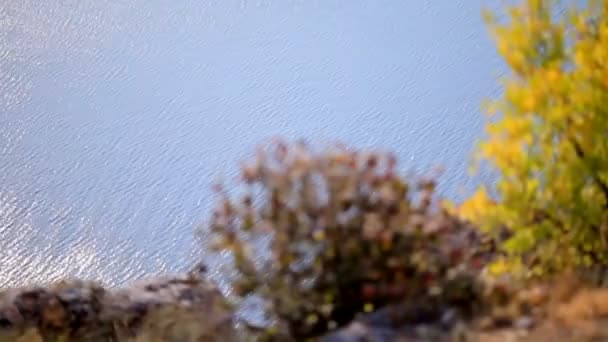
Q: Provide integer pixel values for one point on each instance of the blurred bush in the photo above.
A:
(345, 234)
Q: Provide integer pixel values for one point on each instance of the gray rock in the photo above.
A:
(172, 308)
(524, 323)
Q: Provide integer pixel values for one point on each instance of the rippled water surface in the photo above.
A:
(115, 115)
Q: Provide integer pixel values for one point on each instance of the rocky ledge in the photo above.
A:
(563, 312)
(185, 307)
(190, 308)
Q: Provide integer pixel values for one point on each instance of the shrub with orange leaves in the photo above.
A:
(345, 234)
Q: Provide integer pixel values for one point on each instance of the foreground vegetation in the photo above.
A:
(346, 235)
(343, 233)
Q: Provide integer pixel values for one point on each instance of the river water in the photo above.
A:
(117, 114)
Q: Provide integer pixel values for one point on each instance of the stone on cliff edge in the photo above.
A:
(179, 308)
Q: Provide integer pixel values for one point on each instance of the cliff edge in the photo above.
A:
(185, 307)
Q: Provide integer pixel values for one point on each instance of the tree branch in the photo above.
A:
(581, 154)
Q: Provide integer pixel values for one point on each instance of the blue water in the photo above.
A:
(116, 115)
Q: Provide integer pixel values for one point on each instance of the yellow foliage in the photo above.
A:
(549, 139)
(476, 205)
